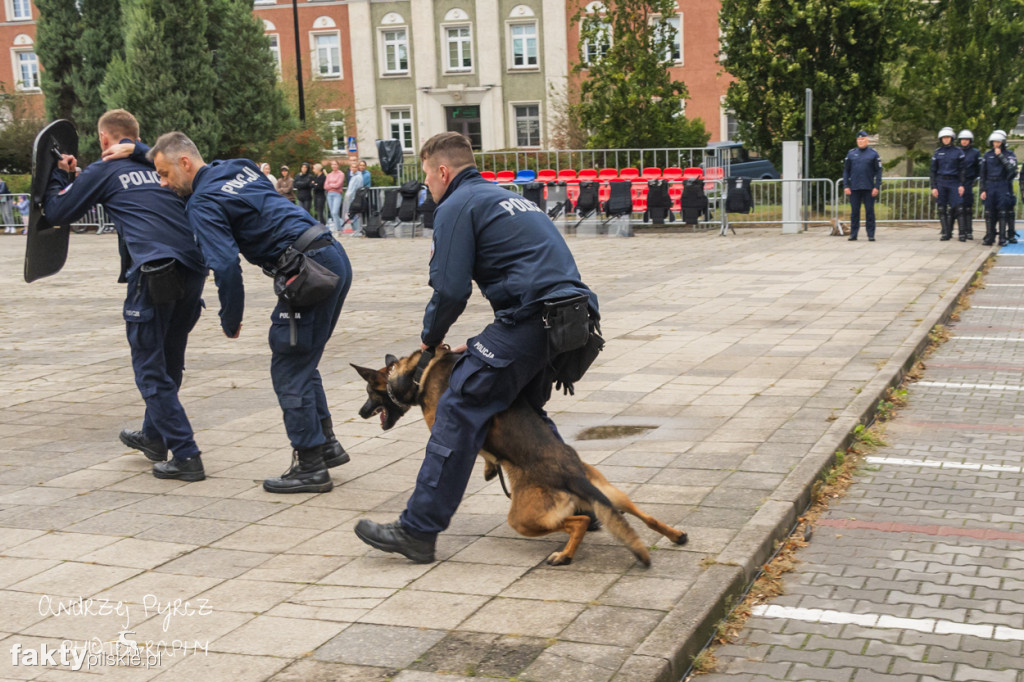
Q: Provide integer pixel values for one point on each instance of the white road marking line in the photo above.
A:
(996, 307)
(980, 387)
(1009, 339)
(1003, 285)
(876, 620)
(937, 464)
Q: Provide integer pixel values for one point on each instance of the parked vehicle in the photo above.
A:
(742, 162)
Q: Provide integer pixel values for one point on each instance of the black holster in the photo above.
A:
(163, 281)
(300, 282)
(574, 340)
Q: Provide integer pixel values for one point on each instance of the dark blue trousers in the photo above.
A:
(999, 197)
(858, 197)
(157, 336)
(293, 369)
(503, 363)
(949, 192)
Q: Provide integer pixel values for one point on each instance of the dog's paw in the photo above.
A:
(682, 539)
(559, 559)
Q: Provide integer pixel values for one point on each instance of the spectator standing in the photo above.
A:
(947, 177)
(319, 194)
(355, 181)
(304, 187)
(972, 165)
(333, 185)
(5, 208)
(286, 184)
(265, 169)
(366, 174)
(862, 180)
(22, 206)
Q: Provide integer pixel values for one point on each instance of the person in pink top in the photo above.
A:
(334, 185)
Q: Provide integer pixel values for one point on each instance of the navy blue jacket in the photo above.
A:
(862, 169)
(235, 209)
(997, 169)
(948, 164)
(150, 218)
(972, 164)
(506, 244)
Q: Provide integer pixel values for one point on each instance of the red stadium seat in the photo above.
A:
(673, 173)
(693, 173)
(547, 175)
(487, 175)
(506, 176)
(567, 175)
(651, 173)
(608, 174)
(588, 175)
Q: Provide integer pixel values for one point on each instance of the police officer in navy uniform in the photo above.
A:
(972, 162)
(234, 209)
(862, 180)
(151, 225)
(947, 180)
(511, 249)
(997, 169)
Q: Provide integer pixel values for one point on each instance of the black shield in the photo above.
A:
(47, 245)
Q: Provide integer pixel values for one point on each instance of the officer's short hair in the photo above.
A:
(120, 124)
(174, 145)
(454, 148)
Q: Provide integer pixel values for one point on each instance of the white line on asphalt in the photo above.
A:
(996, 307)
(1003, 285)
(1010, 339)
(1008, 267)
(876, 620)
(936, 464)
(981, 387)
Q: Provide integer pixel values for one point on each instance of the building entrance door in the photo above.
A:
(466, 120)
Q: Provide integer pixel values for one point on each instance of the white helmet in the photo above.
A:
(997, 136)
(1001, 132)
(965, 134)
(946, 132)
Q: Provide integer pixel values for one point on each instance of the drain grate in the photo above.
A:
(613, 431)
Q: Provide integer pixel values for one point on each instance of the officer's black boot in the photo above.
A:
(962, 218)
(1004, 223)
(969, 219)
(1011, 227)
(334, 455)
(153, 448)
(306, 475)
(393, 537)
(190, 469)
(990, 229)
(945, 226)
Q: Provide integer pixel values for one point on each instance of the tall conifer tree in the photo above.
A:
(98, 45)
(57, 45)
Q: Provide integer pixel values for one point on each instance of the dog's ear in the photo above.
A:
(370, 375)
(390, 359)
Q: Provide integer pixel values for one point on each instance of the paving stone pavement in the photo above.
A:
(747, 359)
(916, 574)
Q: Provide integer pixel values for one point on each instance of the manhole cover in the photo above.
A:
(614, 431)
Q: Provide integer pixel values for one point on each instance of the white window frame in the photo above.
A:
(679, 41)
(12, 6)
(264, 2)
(586, 44)
(315, 49)
(334, 125)
(514, 133)
(275, 50)
(387, 111)
(509, 27)
(19, 83)
(446, 43)
(384, 43)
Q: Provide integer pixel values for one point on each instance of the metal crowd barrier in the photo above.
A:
(12, 216)
(817, 198)
(907, 200)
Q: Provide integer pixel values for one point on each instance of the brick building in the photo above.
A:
(407, 69)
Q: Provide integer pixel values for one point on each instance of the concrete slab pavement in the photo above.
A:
(740, 364)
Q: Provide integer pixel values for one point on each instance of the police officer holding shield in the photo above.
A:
(997, 170)
(511, 249)
(233, 209)
(947, 180)
(862, 180)
(165, 273)
(972, 162)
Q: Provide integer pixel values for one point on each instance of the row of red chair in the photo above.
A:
(639, 192)
(571, 176)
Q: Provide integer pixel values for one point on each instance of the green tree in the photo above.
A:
(775, 50)
(19, 134)
(247, 99)
(166, 76)
(628, 98)
(98, 45)
(57, 45)
(960, 66)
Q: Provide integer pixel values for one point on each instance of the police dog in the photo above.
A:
(552, 488)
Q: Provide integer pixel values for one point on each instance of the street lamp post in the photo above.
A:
(298, 60)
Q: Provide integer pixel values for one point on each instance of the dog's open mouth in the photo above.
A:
(383, 414)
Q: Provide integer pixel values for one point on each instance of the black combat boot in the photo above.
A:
(962, 223)
(153, 448)
(306, 475)
(393, 537)
(990, 229)
(1011, 227)
(333, 453)
(945, 224)
(190, 469)
(1004, 224)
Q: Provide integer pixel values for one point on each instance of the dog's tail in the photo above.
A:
(610, 517)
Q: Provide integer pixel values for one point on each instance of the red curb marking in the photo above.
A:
(892, 527)
(963, 427)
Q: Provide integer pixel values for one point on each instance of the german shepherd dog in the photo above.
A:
(552, 488)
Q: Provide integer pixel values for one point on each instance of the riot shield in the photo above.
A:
(47, 246)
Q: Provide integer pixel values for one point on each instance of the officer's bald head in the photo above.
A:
(449, 149)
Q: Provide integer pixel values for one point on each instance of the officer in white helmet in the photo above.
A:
(947, 180)
(972, 161)
(997, 170)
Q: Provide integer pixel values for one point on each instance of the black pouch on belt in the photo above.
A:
(568, 323)
(299, 281)
(163, 281)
